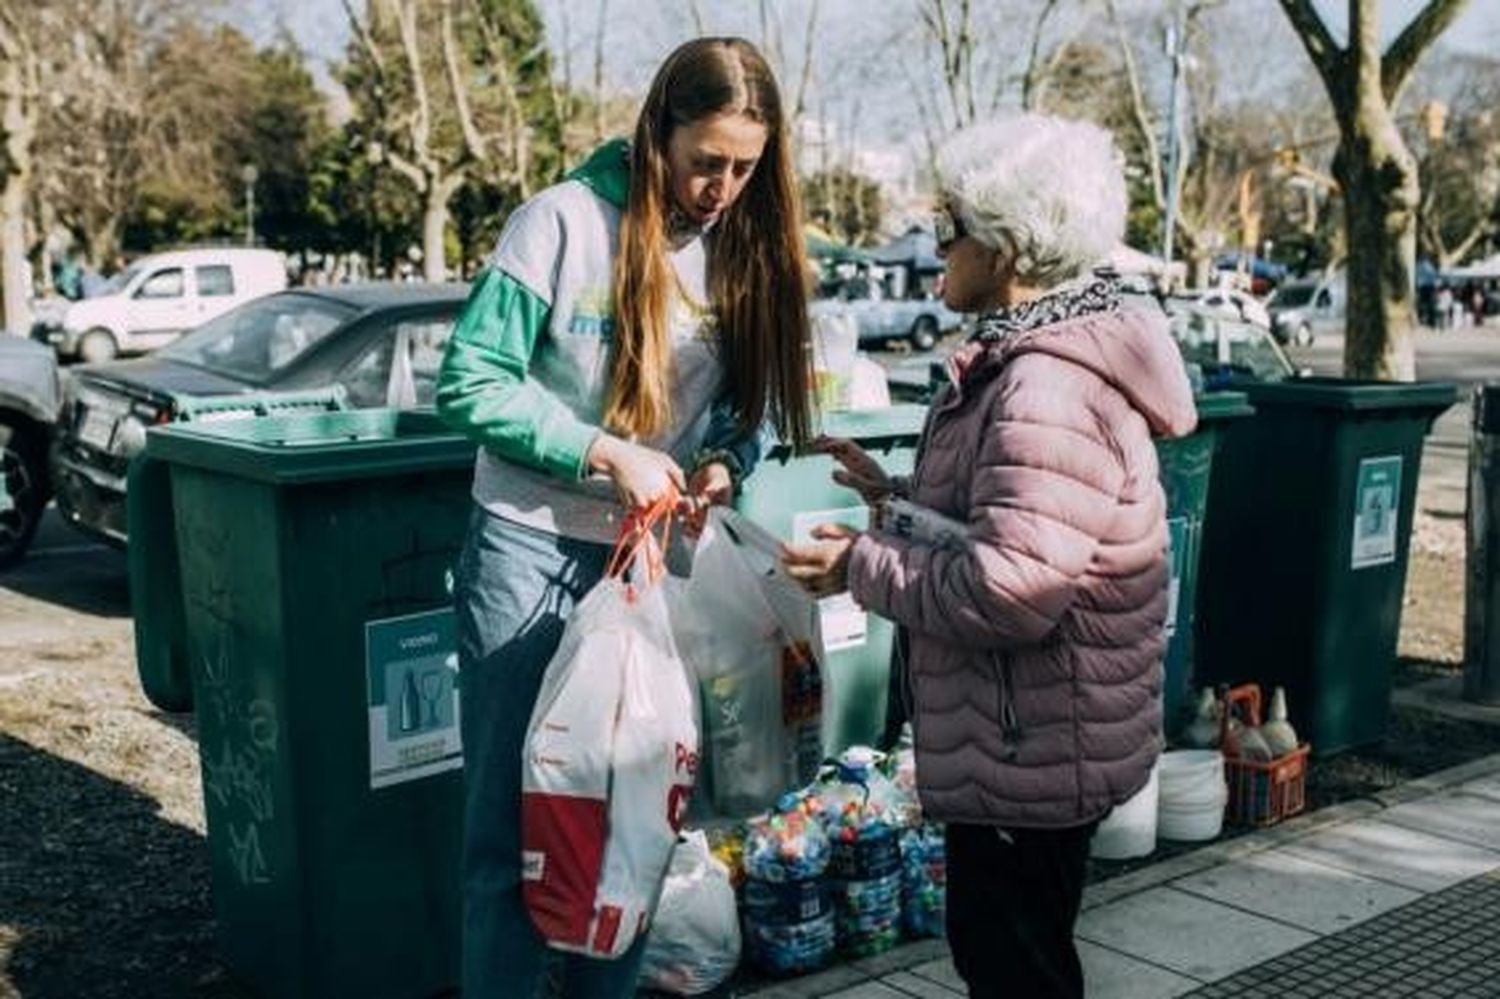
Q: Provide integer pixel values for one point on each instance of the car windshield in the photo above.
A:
(117, 283)
(260, 338)
(1293, 294)
(1229, 346)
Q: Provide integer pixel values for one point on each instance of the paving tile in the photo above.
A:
(943, 972)
(1108, 974)
(1487, 786)
(1391, 955)
(1396, 854)
(1283, 886)
(868, 990)
(1188, 934)
(1469, 818)
(915, 985)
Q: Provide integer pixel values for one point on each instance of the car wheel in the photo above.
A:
(924, 333)
(23, 489)
(97, 345)
(1304, 336)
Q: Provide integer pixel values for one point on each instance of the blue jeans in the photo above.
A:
(514, 590)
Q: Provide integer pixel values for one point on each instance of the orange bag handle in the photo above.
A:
(646, 531)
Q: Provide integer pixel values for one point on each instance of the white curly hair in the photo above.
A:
(1046, 191)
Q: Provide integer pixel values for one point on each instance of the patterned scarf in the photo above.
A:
(1084, 296)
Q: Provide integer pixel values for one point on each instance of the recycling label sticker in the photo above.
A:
(1377, 492)
(411, 673)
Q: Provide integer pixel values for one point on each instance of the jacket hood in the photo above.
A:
(607, 172)
(1130, 349)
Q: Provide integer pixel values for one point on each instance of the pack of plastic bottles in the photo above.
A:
(789, 916)
(863, 812)
(924, 880)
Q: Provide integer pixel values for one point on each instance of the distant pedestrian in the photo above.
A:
(1444, 307)
(635, 327)
(1033, 605)
(1476, 305)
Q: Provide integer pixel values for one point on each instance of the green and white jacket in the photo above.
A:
(526, 368)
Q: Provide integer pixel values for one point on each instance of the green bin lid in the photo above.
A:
(315, 447)
(1222, 406)
(1351, 395)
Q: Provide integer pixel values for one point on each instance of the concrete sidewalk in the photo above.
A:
(1393, 896)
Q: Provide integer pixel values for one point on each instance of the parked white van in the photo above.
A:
(158, 298)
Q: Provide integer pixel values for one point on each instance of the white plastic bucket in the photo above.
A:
(1129, 830)
(1192, 776)
(1191, 823)
(1190, 804)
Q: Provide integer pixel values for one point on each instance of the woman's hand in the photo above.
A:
(710, 485)
(642, 475)
(861, 472)
(822, 566)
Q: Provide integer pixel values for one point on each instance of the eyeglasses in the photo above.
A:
(947, 226)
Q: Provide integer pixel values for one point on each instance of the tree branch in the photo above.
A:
(1397, 63)
(1032, 76)
(407, 169)
(420, 124)
(1138, 111)
(473, 142)
(1326, 56)
(799, 107)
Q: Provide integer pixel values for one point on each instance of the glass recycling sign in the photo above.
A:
(1377, 493)
(411, 673)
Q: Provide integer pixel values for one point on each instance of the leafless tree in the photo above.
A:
(1377, 172)
(20, 109)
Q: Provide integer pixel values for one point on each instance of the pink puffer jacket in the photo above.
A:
(1036, 647)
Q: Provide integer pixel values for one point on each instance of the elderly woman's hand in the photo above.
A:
(861, 472)
(822, 566)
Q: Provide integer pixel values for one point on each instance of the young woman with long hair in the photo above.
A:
(636, 327)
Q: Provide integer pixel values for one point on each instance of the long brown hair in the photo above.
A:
(756, 259)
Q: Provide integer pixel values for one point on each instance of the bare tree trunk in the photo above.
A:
(1377, 174)
(17, 317)
(434, 226)
(1379, 180)
(18, 118)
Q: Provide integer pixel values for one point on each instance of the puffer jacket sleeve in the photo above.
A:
(1046, 487)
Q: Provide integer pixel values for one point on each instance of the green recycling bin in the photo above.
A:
(1186, 464)
(1305, 548)
(788, 494)
(155, 596)
(314, 560)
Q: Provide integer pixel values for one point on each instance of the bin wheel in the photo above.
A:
(98, 345)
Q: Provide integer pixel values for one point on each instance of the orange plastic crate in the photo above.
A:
(1262, 794)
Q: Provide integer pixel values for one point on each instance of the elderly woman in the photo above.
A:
(1028, 569)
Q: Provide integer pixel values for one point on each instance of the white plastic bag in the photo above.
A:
(695, 941)
(743, 629)
(610, 761)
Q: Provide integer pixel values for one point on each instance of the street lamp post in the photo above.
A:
(248, 174)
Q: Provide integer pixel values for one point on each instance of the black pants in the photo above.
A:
(1013, 897)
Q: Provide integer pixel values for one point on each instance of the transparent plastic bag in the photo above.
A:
(695, 940)
(759, 682)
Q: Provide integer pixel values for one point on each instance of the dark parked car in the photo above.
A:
(28, 411)
(373, 345)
